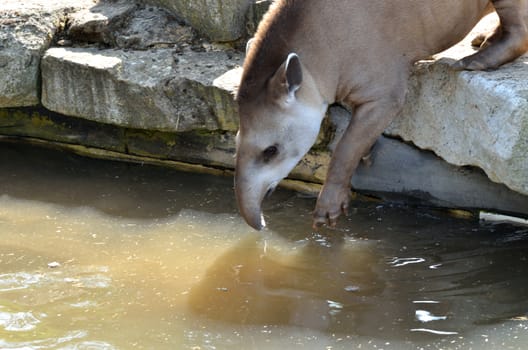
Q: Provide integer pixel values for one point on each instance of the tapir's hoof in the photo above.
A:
(468, 63)
(328, 219)
(331, 204)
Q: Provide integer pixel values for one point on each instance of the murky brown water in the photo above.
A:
(105, 255)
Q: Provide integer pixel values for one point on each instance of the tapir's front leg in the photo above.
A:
(369, 121)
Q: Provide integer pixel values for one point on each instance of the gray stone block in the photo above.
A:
(162, 89)
(471, 118)
(26, 31)
(218, 20)
(402, 172)
(127, 25)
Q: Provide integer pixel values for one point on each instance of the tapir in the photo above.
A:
(309, 54)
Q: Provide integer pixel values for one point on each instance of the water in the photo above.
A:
(105, 255)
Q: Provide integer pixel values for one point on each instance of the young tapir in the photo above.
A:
(308, 54)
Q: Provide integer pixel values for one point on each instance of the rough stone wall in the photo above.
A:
(133, 79)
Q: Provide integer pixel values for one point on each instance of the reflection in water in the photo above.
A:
(105, 255)
(307, 285)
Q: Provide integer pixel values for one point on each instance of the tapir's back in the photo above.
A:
(427, 26)
(332, 37)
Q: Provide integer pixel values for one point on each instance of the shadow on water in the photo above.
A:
(115, 188)
(389, 272)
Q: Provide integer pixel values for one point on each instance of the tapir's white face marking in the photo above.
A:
(276, 131)
(284, 134)
(267, 154)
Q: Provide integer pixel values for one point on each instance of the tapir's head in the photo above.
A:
(278, 125)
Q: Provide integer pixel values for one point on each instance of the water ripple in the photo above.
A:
(426, 316)
(433, 331)
(45, 343)
(90, 345)
(19, 321)
(397, 262)
(19, 280)
(90, 278)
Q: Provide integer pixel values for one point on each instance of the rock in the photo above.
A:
(127, 25)
(404, 173)
(54, 264)
(479, 119)
(471, 118)
(161, 89)
(218, 20)
(98, 24)
(140, 33)
(255, 14)
(27, 29)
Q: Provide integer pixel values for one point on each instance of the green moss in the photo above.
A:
(201, 146)
(42, 124)
(213, 148)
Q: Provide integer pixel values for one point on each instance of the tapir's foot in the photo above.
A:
(494, 53)
(332, 202)
(504, 44)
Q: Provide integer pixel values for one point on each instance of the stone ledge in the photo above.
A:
(158, 89)
(471, 118)
(401, 172)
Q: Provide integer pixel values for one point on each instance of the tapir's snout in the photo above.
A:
(249, 198)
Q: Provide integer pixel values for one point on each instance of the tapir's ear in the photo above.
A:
(288, 78)
(294, 75)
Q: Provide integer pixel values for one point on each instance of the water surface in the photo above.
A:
(106, 255)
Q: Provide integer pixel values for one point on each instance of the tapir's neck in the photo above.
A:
(280, 33)
(310, 92)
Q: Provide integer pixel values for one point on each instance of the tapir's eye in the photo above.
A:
(269, 153)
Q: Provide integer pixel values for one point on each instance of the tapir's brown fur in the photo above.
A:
(308, 54)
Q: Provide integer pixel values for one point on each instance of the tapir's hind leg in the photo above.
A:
(508, 42)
